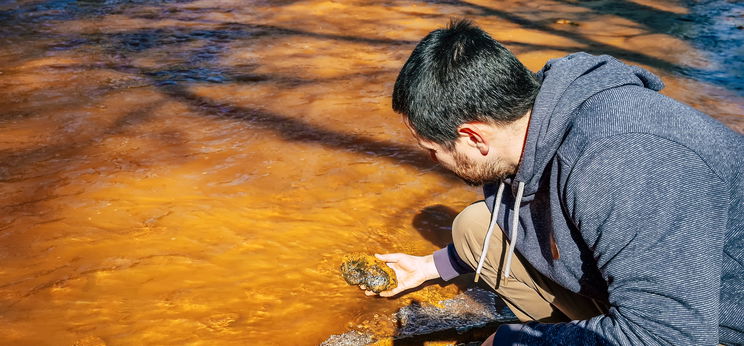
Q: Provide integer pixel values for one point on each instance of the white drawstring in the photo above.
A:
(513, 235)
(491, 226)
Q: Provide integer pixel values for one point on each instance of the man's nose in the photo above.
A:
(433, 156)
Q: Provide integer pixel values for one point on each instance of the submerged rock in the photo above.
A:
(478, 311)
(352, 338)
(369, 271)
(90, 340)
(467, 319)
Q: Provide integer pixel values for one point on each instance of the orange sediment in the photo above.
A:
(193, 172)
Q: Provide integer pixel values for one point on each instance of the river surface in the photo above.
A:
(191, 172)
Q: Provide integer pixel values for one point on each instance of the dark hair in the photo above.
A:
(461, 74)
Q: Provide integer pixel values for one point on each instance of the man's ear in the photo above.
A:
(474, 136)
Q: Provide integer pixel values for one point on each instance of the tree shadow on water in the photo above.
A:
(200, 65)
(296, 130)
(654, 20)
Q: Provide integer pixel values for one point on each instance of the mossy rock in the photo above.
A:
(374, 274)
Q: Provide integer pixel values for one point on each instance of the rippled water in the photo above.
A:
(192, 171)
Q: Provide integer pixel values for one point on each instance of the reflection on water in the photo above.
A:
(193, 171)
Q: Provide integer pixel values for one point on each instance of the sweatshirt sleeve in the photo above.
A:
(654, 215)
(449, 264)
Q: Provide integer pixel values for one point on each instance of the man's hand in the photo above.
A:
(411, 271)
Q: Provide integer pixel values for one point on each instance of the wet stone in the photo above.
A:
(352, 338)
(90, 340)
(374, 274)
(467, 319)
(473, 309)
(221, 321)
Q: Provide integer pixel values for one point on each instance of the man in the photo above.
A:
(613, 214)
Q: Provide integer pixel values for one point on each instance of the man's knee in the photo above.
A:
(469, 221)
(469, 230)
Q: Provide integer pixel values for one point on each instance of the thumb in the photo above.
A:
(392, 292)
(390, 257)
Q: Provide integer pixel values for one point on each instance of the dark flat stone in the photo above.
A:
(471, 316)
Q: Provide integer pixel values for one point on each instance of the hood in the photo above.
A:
(566, 83)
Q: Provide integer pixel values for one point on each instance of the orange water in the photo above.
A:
(191, 172)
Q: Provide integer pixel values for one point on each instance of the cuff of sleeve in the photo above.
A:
(444, 267)
(448, 263)
(508, 334)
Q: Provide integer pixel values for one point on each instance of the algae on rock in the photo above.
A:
(374, 274)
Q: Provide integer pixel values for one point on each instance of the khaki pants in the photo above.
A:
(529, 294)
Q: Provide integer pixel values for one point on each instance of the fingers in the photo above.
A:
(366, 291)
(382, 294)
(385, 294)
(390, 257)
(391, 293)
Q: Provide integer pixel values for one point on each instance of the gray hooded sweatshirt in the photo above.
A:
(644, 197)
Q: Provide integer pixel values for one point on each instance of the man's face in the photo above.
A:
(468, 163)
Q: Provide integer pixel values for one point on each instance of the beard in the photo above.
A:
(477, 174)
